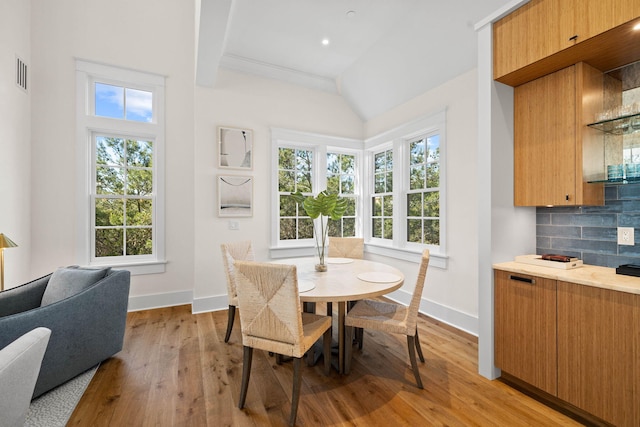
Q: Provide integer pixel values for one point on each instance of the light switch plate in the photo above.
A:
(625, 236)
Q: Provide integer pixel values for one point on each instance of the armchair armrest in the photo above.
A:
(23, 298)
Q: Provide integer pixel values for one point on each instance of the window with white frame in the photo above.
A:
(311, 163)
(120, 139)
(406, 189)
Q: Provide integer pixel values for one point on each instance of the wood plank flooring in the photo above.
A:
(176, 370)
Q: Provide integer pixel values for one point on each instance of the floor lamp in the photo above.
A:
(5, 242)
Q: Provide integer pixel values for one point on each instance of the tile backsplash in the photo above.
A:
(590, 232)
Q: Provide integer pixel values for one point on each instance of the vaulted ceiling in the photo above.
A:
(380, 53)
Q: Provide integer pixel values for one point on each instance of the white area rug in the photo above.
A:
(54, 408)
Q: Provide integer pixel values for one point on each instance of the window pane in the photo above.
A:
(303, 182)
(348, 163)
(389, 159)
(351, 207)
(287, 228)
(139, 105)
(109, 180)
(139, 212)
(416, 177)
(333, 184)
(380, 183)
(414, 230)
(109, 242)
(416, 150)
(432, 203)
(304, 160)
(434, 148)
(109, 151)
(414, 204)
(388, 205)
(388, 228)
(348, 227)
(139, 182)
(109, 212)
(139, 241)
(333, 163)
(334, 228)
(389, 182)
(305, 230)
(348, 184)
(377, 227)
(109, 101)
(287, 206)
(432, 231)
(139, 153)
(377, 206)
(287, 158)
(433, 175)
(379, 162)
(286, 181)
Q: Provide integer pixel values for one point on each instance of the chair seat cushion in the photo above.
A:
(379, 315)
(69, 281)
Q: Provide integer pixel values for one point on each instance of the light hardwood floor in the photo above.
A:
(176, 370)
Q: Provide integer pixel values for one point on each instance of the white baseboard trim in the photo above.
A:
(448, 315)
(147, 302)
(204, 305)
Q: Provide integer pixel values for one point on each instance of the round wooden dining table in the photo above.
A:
(346, 279)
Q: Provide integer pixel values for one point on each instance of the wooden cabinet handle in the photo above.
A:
(573, 37)
(522, 279)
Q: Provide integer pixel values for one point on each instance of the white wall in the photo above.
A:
(450, 294)
(245, 101)
(149, 35)
(15, 165)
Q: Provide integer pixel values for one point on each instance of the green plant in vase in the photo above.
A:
(324, 206)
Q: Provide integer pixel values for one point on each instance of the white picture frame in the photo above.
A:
(235, 148)
(235, 196)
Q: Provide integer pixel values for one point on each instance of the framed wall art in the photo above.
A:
(235, 196)
(235, 148)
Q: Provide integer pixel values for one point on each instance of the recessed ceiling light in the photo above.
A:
(351, 14)
(325, 42)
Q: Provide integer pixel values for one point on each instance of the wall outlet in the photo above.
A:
(235, 225)
(625, 236)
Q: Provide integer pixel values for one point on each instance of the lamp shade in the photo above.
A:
(6, 242)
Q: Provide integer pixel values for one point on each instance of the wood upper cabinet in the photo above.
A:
(525, 328)
(599, 352)
(555, 153)
(541, 28)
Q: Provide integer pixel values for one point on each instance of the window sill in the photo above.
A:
(136, 268)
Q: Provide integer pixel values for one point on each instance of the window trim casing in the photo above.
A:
(87, 124)
(399, 138)
(320, 144)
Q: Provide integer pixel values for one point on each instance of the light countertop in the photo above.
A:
(589, 275)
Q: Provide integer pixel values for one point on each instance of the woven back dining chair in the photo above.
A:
(346, 247)
(271, 319)
(231, 252)
(391, 317)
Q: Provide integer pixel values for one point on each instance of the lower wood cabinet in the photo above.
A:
(599, 352)
(525, 328)
(580, 344)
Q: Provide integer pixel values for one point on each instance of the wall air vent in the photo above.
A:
(21, 74)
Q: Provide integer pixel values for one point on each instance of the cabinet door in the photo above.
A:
(534, 31)
(593, 17)
(545, 140)
(555, 153)
(599, 352)
(525, 328)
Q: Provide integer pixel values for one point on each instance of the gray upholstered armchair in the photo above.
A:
(87, 320)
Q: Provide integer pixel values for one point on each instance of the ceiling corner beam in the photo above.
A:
(213, 19)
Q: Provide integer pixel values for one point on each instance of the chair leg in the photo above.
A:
(418, 346)
(348, 349)
(412, 356)
(230, 319)
(297, 383)
(246, 371)
(326, 348)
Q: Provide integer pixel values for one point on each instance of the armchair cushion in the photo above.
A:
(68, 281)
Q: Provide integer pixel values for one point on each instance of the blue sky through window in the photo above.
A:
(112, 101)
